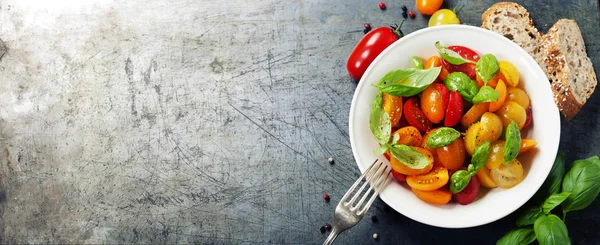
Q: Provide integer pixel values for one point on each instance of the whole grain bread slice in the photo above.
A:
(513, 22)
(569, 67)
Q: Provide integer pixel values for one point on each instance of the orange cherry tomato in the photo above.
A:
(432, 105)
(501, 89)
(406, 170)
(435, 179)
(440, 196)
(409, 135)
(399, 177)
(527, 144)
(452, 156)
(393, 106)
(474, 113)
(492, 83)
(433, 61)
(428, 7)
(443, 74)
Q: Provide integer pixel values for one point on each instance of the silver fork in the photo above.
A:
(346, 213)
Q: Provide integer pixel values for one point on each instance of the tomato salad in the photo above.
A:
(452, 124)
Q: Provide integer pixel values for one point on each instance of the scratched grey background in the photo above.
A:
(198, 121)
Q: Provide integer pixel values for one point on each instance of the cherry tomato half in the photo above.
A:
(529, 118)
(393, 106)
(414, 116)
(433, 180)
(399, 177)
(468, 194)
(455, 109)
(444, 93)
(432, 104)
(428, 7)
(439, 196)
(369, 47)
(466, 68)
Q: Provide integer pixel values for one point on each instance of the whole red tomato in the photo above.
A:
(369, 47)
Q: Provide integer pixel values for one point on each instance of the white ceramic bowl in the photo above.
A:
(490, 205)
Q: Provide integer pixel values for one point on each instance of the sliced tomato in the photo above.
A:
(468, 194)
(455, 109)
(466, 68)
(399, 177)
(406, 170)
(433, 180)
(527, 144)
(414, 116)
(444, 94)
(432, 104)
(440, 196)
(509, 175)
(409, 135)
(529, 118)
(453, 155)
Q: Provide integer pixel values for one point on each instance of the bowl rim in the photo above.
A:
(457, 27)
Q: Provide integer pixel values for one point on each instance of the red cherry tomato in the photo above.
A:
(529, 118)
(469, 194)
(399, 177)
(369, 47)
(414, 116)
(444, 93)
(466, 68)
(455, 109)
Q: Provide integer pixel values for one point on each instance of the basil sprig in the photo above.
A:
(460, 179)
(451, 56)
(512, 145)
(407, 82)
(381, 128)
(580, 187)
(487, 67)
(460, 82)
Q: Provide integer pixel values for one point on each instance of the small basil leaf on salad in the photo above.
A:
(513, 142)
(486, 94)
(442, 137)
(381, 149)
(529, 216)
(395, 138)
(378, 102)
(380, 125)
(518, 237)
(480, 156)
(417, 62)
(451, 56)
(487, 67)
(409, 156)
(459, 181)
(550, 230)
(553, 201)
(583, 182)
(407, 82)
(461, 83)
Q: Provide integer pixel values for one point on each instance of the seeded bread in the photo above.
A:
(513, 22)
(569, 68)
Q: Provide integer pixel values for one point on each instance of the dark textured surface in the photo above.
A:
(206, 122)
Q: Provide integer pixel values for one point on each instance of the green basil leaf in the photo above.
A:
(442, 137)
(583, 181)
(553, 181)
(480, 155)
(381, 149)
(451, 56)
(417, 62)
(513, 142)
(529, 216)
(460, 82)
(554, 200)
(409, 156)
(381, 125)
(378, 102)
(407, 82)
(521, 236)
(487, 67)
(551, 230)
(459, 181)
(486, 94)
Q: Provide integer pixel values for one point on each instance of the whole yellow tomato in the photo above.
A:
(443, 17)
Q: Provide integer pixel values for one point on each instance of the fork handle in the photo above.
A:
(332, 236)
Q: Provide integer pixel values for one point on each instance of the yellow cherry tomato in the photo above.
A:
(509, 72)
(443, 17)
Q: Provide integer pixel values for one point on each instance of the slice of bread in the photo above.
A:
(569, 67)
(513, 22)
